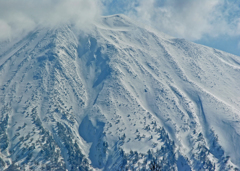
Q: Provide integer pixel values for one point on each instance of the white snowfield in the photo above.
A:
(117, 97)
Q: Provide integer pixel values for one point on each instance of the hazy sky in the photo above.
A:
(215, 23)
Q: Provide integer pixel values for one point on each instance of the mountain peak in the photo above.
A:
(117, 96)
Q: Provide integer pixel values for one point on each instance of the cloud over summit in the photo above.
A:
(22, 16)
(190, 19)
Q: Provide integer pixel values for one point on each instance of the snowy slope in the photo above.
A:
(116, 97)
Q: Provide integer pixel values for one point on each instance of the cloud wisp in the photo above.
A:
(17, 16)
(190, 19)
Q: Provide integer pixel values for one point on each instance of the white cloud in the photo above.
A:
(18, 16)
(191, 19)
(5, 30)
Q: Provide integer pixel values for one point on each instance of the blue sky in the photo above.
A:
(215, 23)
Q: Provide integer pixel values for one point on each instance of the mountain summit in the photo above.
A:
(117, 96)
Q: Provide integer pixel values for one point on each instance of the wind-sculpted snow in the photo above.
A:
(118, 97)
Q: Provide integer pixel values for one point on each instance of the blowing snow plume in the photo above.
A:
(19, 17)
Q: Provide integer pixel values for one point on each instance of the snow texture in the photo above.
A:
(118, 97)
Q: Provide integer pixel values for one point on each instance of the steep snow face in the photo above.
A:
(117, 97)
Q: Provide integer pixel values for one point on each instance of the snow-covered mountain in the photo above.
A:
(117, 97)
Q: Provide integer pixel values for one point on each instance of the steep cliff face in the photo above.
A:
(116, 97)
